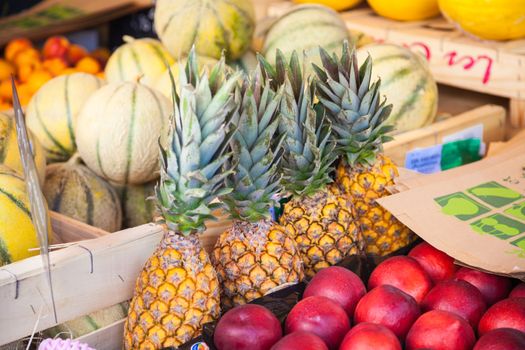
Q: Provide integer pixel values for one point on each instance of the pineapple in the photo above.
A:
(319, 216)
(255, 256)
(178, 290)
(358, 116)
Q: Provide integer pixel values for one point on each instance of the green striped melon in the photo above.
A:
(145, 59)
(212, 26)
(52, 112)
(407, 83)
(247, 63)
(9, 153)
(89, 323)
(118, 132)
(305, 28)
(138, 208)
(74, 190)
(17, 233)
(163, 84)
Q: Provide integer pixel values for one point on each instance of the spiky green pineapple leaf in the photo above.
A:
(353, 105)
(192, 164)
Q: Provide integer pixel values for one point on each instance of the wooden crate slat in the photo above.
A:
(492, 117)
(71, 230)
(106, 338)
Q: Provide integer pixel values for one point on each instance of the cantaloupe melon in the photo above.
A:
(118, 132)
(9, 153)
(52, 112)
(304, 28)
(17, 233)
(138, 206)
(407, 83)
(89, 323)
(76, 191)
(163, 84)
(212, 26)
(247, 63)
(143, 58)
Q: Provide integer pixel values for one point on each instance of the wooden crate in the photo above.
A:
(496, 68)
(89, 275)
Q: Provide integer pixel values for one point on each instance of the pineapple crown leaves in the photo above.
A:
(309, 147)
(257, 151)
(192, 163)
(353, 105)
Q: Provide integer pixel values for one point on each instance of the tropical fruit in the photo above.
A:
(9, 153)
(212, 26)
(406, 82)
(337, 5)
(318, 215)
(297, 30)
(18, 234)
(89, 323)
(358, 115)
(492, 20)
(163, 82)
(76, 191)
(118, 132)
(138, 59)
(177, 291)
(406, 10)
(255, 255)
(53, 111)
(138, 207)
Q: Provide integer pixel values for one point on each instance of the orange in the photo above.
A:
(37, 79)
(27, 56)
(69, 71)
(88, 65)
(5, 105)
(24, 93)
(26, 70)
(5, 90)
(101, 55)
(54, 66)
(6, 69)
(16, 45)
(101, 75)
(75, 53)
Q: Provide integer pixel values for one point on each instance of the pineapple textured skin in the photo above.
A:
(253, 259)
(176, 294)
(323, 227)
(382, 232)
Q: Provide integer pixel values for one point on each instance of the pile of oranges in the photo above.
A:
(33, 67)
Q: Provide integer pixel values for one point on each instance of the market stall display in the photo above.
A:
(289, 211)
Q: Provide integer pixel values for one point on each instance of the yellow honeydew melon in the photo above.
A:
(17, 233)
(488, 19)
(337, 5)
(405, 10)
(9, 153)
(304, 29)
(119, 129)
(213, 26)
(407, 83)
(76, 191)
(52, 112)
(145, 59)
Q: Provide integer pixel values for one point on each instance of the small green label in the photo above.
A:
(454, 154)
(499, 226)
(517, 211)
(461, 206)
(520, 243)
(495, 194)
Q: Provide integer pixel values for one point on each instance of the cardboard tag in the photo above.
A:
(474, 213)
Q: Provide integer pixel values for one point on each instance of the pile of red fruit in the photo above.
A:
(419, 301)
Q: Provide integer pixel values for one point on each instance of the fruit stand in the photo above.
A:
(250, 178)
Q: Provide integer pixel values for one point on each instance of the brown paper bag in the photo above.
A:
(475, 213)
